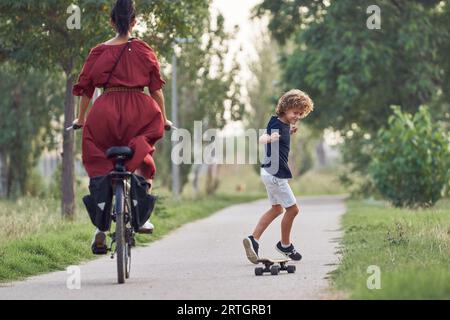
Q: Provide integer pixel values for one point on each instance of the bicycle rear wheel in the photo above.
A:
(122, 255)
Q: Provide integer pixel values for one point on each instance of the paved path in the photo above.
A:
(206, 260)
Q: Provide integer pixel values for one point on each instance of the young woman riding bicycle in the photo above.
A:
(123, 115)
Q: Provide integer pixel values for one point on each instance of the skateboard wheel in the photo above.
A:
(274, 270)
(259, 271)
(291, 269)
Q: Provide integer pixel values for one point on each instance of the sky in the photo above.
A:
(238, 12)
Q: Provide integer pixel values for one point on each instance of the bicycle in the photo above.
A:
(124, 235)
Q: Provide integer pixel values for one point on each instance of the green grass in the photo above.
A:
(35, 240)
(243, 179)
(318, 182)
(411, 248)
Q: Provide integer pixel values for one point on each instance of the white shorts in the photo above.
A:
(278, 190)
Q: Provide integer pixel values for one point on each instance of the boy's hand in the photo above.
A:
(294, 129)
(275, 136)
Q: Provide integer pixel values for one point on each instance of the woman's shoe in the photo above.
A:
(147, 228)
(98, 245)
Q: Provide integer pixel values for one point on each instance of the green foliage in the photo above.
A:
(264, 88)
(264, 91)
(306, 160)
(411, 159)
(357, 154)
(53, 188)
(35, 32)
(208, 88)
(35, 185)
(355, 74)
(286, 18)
(167, 20)
(301, 157)
(29, 108)
(207, 84)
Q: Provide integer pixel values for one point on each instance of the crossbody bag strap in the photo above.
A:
(117, 61)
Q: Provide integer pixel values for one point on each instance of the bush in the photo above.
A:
(54, 187)
(411, 159)
(306, 160)
(35, 186)
(357, 154)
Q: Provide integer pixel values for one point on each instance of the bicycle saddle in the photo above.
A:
(124, 152)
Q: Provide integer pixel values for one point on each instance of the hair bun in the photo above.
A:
(124, 3)
(122, 15)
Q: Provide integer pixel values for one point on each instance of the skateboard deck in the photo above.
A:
(274, 266)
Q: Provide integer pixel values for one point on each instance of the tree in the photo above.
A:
(264, 90)
(28, 108)
(208, 88)
(36, 33)
(355, 74)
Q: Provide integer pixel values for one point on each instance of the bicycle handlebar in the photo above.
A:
(75, 127)
(170, 126)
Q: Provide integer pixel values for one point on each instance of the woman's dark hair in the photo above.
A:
(122, 15)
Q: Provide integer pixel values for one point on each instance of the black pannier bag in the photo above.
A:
(99, 202)
(142, 204)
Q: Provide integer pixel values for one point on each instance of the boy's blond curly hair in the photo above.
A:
(295, 99)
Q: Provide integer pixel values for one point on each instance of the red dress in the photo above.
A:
(120, 118)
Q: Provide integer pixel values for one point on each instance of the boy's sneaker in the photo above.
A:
(251, 249)
(98, 244)
(289, 252)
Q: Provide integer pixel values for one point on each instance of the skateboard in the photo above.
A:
(274, 266)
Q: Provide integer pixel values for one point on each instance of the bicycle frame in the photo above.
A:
(123, 237)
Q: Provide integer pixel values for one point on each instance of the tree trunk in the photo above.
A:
(19, 170)
(196, 168)
(67, 179)
(3, 175)
(320, 152)
(212, 179)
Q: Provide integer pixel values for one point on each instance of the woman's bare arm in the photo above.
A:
(159, 98)
(84, 105)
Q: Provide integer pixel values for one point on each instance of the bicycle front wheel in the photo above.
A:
(120, 233)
